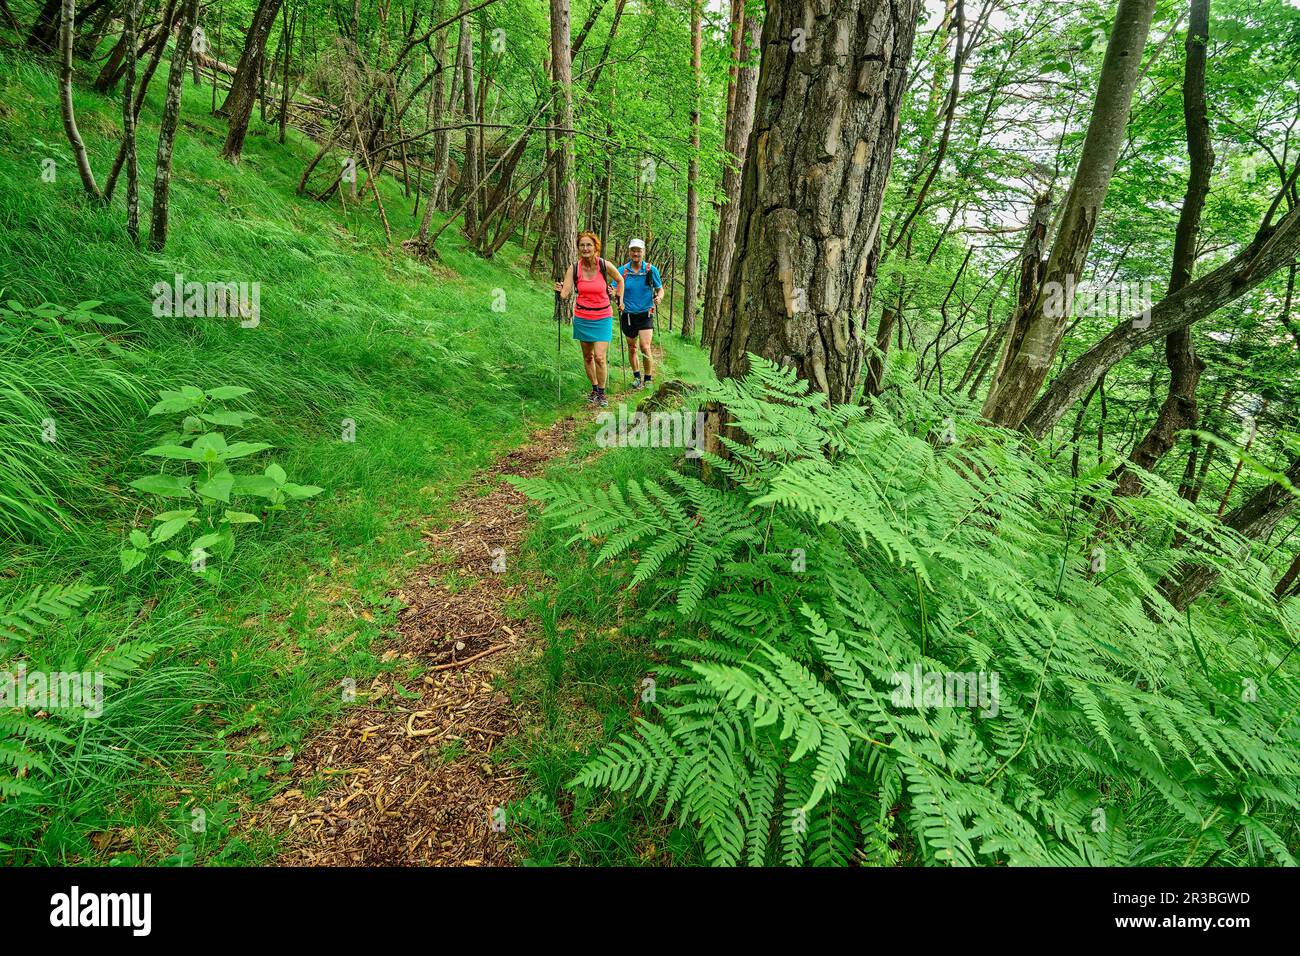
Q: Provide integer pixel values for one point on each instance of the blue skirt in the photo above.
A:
(593, 330)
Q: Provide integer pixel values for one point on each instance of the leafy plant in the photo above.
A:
(203, 458)
(20, 620)
(850, 548)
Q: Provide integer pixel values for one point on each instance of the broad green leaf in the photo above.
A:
(241, 517)
(218, 487)
(224, 392)
(139, 539)
(276, 473)
(168, 486)
(169, 529)
(259, 485)
(176, 452)
(242, 449)
(171, 405)
(300, 491)
(231, 419)
(205, 541)
(130, 558)
(180, 513)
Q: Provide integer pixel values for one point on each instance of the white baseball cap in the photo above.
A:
(636, 244)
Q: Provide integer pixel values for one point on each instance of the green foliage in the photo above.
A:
(852, 547)
(19, 620)
(205, 477)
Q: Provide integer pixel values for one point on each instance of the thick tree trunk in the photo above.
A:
(167, 127)
(565, 206)
(1033, 342)
(691, 292)
(829, 93)
(739, 124)
(248, 76)
(66, 30)
(1179, 409)
(1272, 249)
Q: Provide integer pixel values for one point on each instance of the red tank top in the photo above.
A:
(593, 295)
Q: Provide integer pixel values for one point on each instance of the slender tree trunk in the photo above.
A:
(806, 246)
(66, 31)
(129, 29)
(1033, 343)
(167, 127)
(740, 123)
(1273, 248)
(442, 138)
(692, 182)
(1288, 580)
(565, 209)
(1255, 518)
(284, 76)
(1179, 409)
(248, 77)
(470, 170)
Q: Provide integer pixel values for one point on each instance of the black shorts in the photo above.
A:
(634, 322)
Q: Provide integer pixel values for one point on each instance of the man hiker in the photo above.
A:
(642, 291)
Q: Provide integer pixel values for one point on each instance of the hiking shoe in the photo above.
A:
(591, 398)
(637, 385)
(601, 400)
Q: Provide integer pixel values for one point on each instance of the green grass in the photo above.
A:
(586, 684)
(435, 380)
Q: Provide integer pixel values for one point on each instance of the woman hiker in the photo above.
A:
(593, 312)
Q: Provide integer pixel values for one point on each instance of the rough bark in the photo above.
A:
(1033, 343)
(248, 76)
(739, 125)
(825, 130)
(167, 127)
(1179, 412)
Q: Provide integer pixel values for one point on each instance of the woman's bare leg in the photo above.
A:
(601, 372)
(589, 360)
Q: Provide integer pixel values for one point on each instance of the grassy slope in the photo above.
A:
(436, 381)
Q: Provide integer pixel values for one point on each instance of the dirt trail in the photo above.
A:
(410, 782)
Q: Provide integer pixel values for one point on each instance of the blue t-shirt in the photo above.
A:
(639, 287)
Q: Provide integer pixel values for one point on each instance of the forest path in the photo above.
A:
(412, 781)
